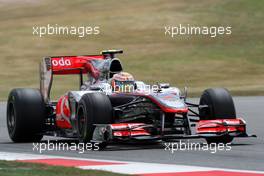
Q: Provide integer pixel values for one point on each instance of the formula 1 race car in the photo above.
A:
(100, 113)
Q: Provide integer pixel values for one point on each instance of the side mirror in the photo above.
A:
(164, 85)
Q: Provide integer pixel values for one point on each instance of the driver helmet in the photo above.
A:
(123, 82)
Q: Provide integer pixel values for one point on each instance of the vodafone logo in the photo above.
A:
(61, 62)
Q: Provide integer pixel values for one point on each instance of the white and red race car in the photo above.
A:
(97, 113)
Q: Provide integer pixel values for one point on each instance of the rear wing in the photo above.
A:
(72, 64)
(95, 65)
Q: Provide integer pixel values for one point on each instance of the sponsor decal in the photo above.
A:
(61, 62)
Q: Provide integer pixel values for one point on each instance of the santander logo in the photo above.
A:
(61, 62)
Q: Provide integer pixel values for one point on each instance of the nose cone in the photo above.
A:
(171, 100)
(178, 104)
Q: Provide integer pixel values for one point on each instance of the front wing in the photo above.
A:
(141, 131)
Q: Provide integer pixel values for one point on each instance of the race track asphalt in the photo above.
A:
(246, 153)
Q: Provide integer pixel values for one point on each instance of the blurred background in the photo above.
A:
(233, 61)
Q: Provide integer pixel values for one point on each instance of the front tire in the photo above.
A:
(220, 106)
(25, 115)
(221, 139)
(93, 108)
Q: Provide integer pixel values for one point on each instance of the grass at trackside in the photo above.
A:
(235, 62)
(12, 168)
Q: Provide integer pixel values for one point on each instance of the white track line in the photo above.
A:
(126, 167)
(146, 168)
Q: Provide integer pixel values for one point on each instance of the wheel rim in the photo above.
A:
(11, 119)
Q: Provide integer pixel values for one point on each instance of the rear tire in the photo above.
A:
(93, 108)
(221, 106)
(25, 115)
